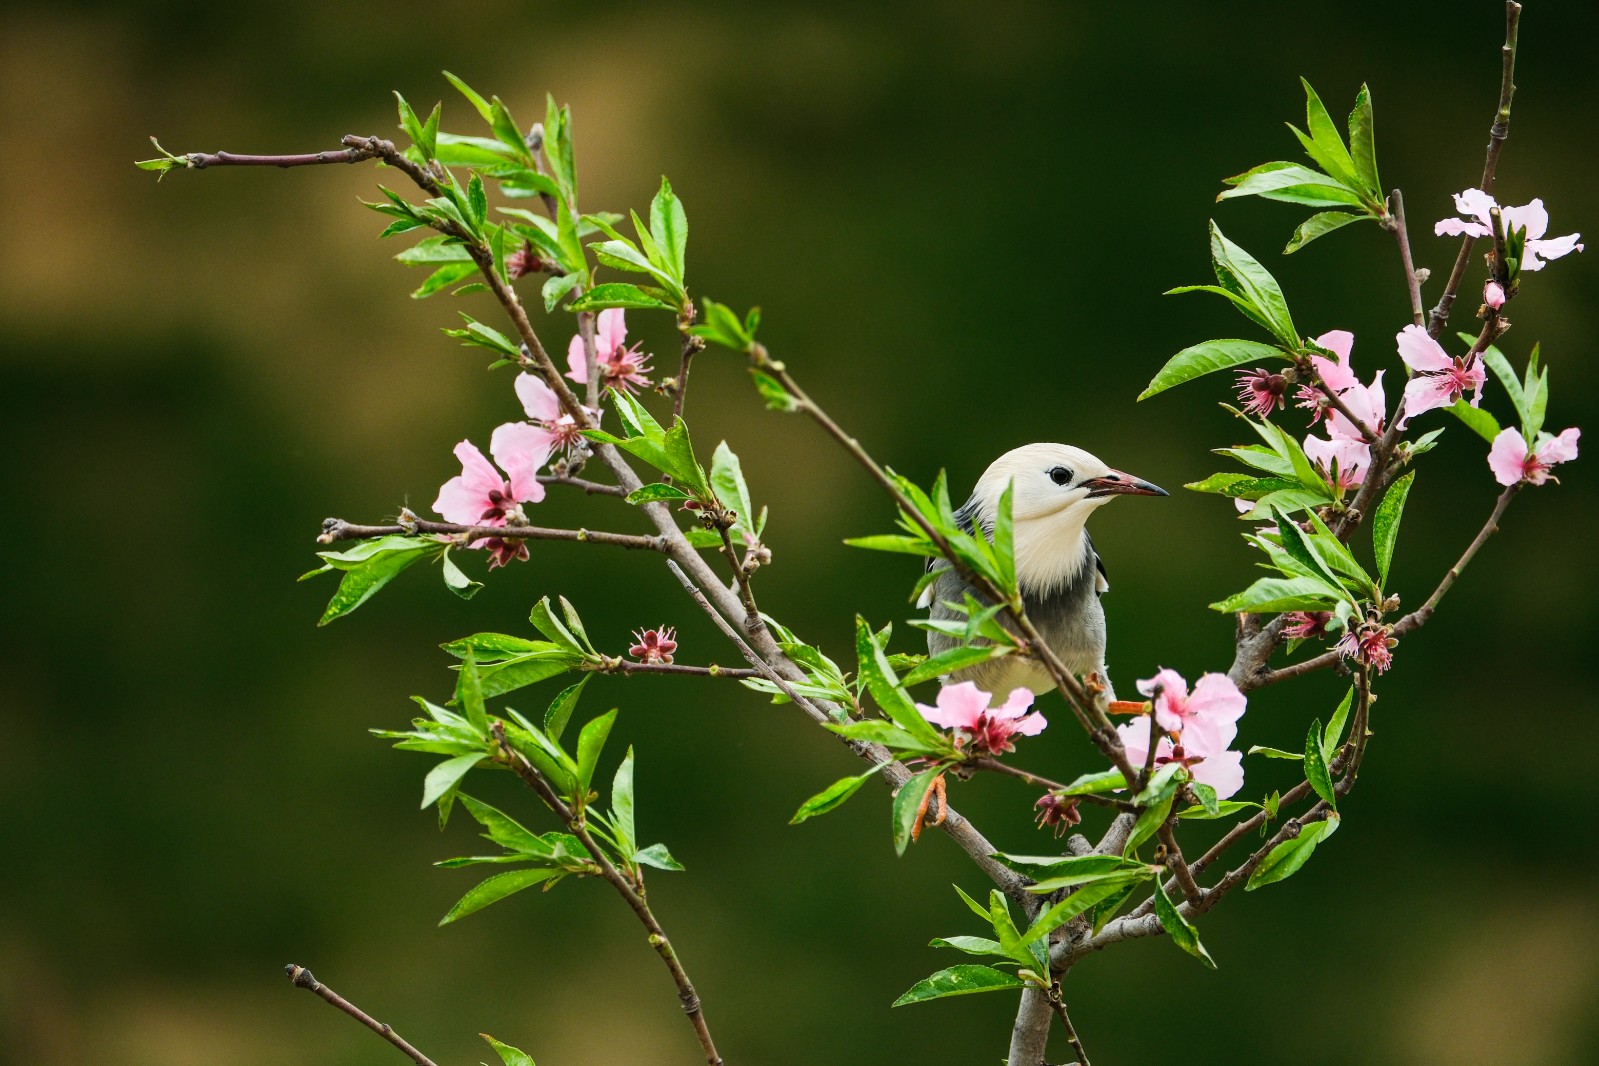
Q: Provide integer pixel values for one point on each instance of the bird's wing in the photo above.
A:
(1101, 579)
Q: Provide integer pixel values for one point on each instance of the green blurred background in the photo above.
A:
(958, 220)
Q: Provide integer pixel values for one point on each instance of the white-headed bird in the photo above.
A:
(1059, 574)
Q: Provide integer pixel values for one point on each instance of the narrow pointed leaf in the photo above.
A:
(1206, 358)
(1180, 930)
(1385, 523)
(959, 981)
(495, 889)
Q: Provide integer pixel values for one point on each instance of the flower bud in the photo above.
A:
(1493, 294)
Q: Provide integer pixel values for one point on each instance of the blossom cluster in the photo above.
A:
(481, 495)
(1196, 727)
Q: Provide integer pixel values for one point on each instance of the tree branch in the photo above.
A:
(336, 529)
(633, 896)
(301, 977)
(626, 668)
(1497, 134)
(1402, 235)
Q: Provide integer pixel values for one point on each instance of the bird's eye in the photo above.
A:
(1060, 475)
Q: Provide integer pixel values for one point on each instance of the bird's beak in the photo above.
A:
(1119, 483)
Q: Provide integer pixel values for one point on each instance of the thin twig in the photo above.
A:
(997, 767)
(336, 529)
(627, 667)
(301, 977)
(1058, 1004)
(575, 823)
(592, 488)
(1176, 863)
(1497, 133)
(1402, 235)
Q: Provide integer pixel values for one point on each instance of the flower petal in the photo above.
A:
(1532, 216)
(1032, 725)
(521, 449)
(1223, 772)
(1421, 352)
(1425, 392)
(611, 332)
(1454, 227)
(1507, 457)
(1476, 203)
(1015, 705)
(577, 366)
(538, 399)
(959, 706)
(1561, 449)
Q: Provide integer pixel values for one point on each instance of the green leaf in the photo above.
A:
(1362, 143)
(1385, 523)
(1084, 870)
(561, 708)
(878, 731)
(443, 278)
(1480, 422)
(1298, 549)
(590, 742)
(495, 889)
(473, 98)
(833, 796)
(507, 132)
(621, 294)
(1205, 358)
(885, 687)
(455, 578)
(1326, 145)
(971, 945)
(469, 694)
(524, 670)
(906, 803)
(1291, 183)
(1334, 736)
(722, 326)
(1102, 781)
(1321, 224)
(1239, 272)
(445, 776)
(657, 493)
(1535, 389)
(776, 395)
(657, 856)
(1275, 595)
(509, 1055)
(555, 289)
(622, 807)
(370, 567)
(1149, 821)
(727, 481)
(892, 542)
(1077, 903)
(959, 981)
(1274, 753)
(669, 228)
(1284, 860)
(951, 660)
(543, 618)
(1316, 771)
(505, 830)
(1180, 930)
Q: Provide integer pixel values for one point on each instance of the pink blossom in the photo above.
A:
(1344, 447)
(1302, 625)
(1512, 461)
(1369, 644)
(1056, 812)
(1493, 294)
(620, 367)
(965, 708)
(479, 495)
(1439, 380)
(1478, 204)
(524, 261)
(559, 430)
(1207, 719)
(1261, 391)
(1221, 770)
(654, 645)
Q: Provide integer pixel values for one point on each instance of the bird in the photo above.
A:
(1055, 488)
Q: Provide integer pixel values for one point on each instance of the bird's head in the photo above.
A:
(1054, 483)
